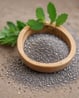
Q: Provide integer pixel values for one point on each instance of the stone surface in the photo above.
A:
(23, 10)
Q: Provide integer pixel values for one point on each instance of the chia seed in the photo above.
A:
(45, 48)
(19, 73)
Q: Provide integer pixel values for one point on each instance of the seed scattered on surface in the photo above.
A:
(31, 79)
(45, 48)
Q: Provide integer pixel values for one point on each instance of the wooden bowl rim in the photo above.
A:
(52, 65)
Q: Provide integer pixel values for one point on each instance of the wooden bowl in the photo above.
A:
(62, 33)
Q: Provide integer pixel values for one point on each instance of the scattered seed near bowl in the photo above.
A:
(19, 74)
(45, 48)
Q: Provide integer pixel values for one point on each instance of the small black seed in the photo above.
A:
(45, 48)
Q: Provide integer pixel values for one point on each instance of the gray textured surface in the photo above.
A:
(45, 48)
(14, 87)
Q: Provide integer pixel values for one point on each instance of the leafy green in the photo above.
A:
(35, 25)
(40, 14)
(51, 11)
(9, 34)
(20, 24)
(12, 26)
(9, 40)
(3, 33)
(61, 19)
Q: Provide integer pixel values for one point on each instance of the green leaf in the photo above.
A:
(1, 35)
(8, 35)
(12, 26)
(61, 19)
(20, 25)
(35, 25)
(8, 41)
(4, 32)
(51, 11)
(40, 14)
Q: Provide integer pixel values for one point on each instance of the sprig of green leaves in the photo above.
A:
(9, 34)
(39, 23)
(51, 9)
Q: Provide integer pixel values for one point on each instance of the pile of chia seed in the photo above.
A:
(45, 48)
(21, 74)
